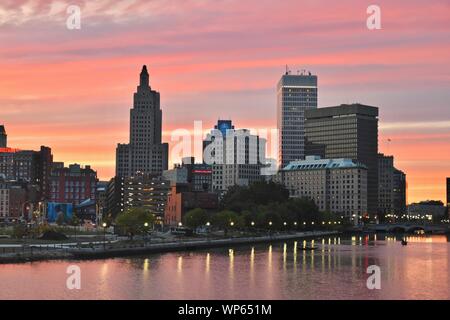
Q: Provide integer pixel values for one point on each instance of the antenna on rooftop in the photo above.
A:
(288, 71)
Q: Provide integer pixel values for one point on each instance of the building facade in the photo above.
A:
(29, 166)
(391, 188)
(141, 191)
(335, 185)
(72, 184)
(4, 200)
(236, 157)
(347, 131)
(295, 94)
(145, 153)
(399, 192)
(17, 200)
(3, 137)
(448, 197)
(385, 185)
(182, 198)
(431, 210)
(197, 175)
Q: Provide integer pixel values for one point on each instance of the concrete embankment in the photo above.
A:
(99, 253)
(117, 250)
(34, 256)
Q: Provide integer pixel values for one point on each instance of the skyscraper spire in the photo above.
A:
(144, 77)
(145, 153)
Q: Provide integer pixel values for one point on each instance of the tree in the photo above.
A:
(226, 219)
(74, 221)
(195, 218)
(132, 221)
(20, 231)
(241, 198)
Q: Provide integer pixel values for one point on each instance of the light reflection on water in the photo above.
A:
(336, 270)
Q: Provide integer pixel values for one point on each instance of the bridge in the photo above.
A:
(408, 227)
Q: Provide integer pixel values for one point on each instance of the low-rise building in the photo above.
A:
(182, 198)
(197, 175)
(336, 185)
(73, 184)
(18, 200)
(28, 166)
(431, 210)
(141, 191)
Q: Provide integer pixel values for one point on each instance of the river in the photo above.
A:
(337, 270)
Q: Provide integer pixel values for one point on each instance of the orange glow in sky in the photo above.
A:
(72, 89)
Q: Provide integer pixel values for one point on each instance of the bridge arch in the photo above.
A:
(396, 229)
(415, 228)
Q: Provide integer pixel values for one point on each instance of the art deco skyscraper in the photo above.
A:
(145, 154)
(295, 94)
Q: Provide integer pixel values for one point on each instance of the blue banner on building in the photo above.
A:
(54, 210)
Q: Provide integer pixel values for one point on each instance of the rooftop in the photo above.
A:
(315, 163)
(343, 109)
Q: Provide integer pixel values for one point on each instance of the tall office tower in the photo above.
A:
(236, 156)
(399, 197)
(145, 154)
(3, 137)
(385, 185)
(295, 94)
(346, 131)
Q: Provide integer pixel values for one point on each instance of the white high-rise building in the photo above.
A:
(145, 154)
(295, 94)
(236, 156)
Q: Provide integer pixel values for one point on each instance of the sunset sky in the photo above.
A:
(209, 59)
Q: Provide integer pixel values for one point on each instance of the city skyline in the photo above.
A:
(57, 95)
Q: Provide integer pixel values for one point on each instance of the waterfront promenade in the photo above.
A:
(101, 250)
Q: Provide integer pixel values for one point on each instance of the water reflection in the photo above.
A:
(336, 270)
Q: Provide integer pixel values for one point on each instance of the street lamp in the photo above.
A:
(231, 223)
(145, 231)
(104, 235)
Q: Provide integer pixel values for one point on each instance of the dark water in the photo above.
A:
(337, 270)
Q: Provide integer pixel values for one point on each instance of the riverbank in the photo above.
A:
(124, 249)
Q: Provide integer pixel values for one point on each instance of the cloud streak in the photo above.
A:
(221, 58)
